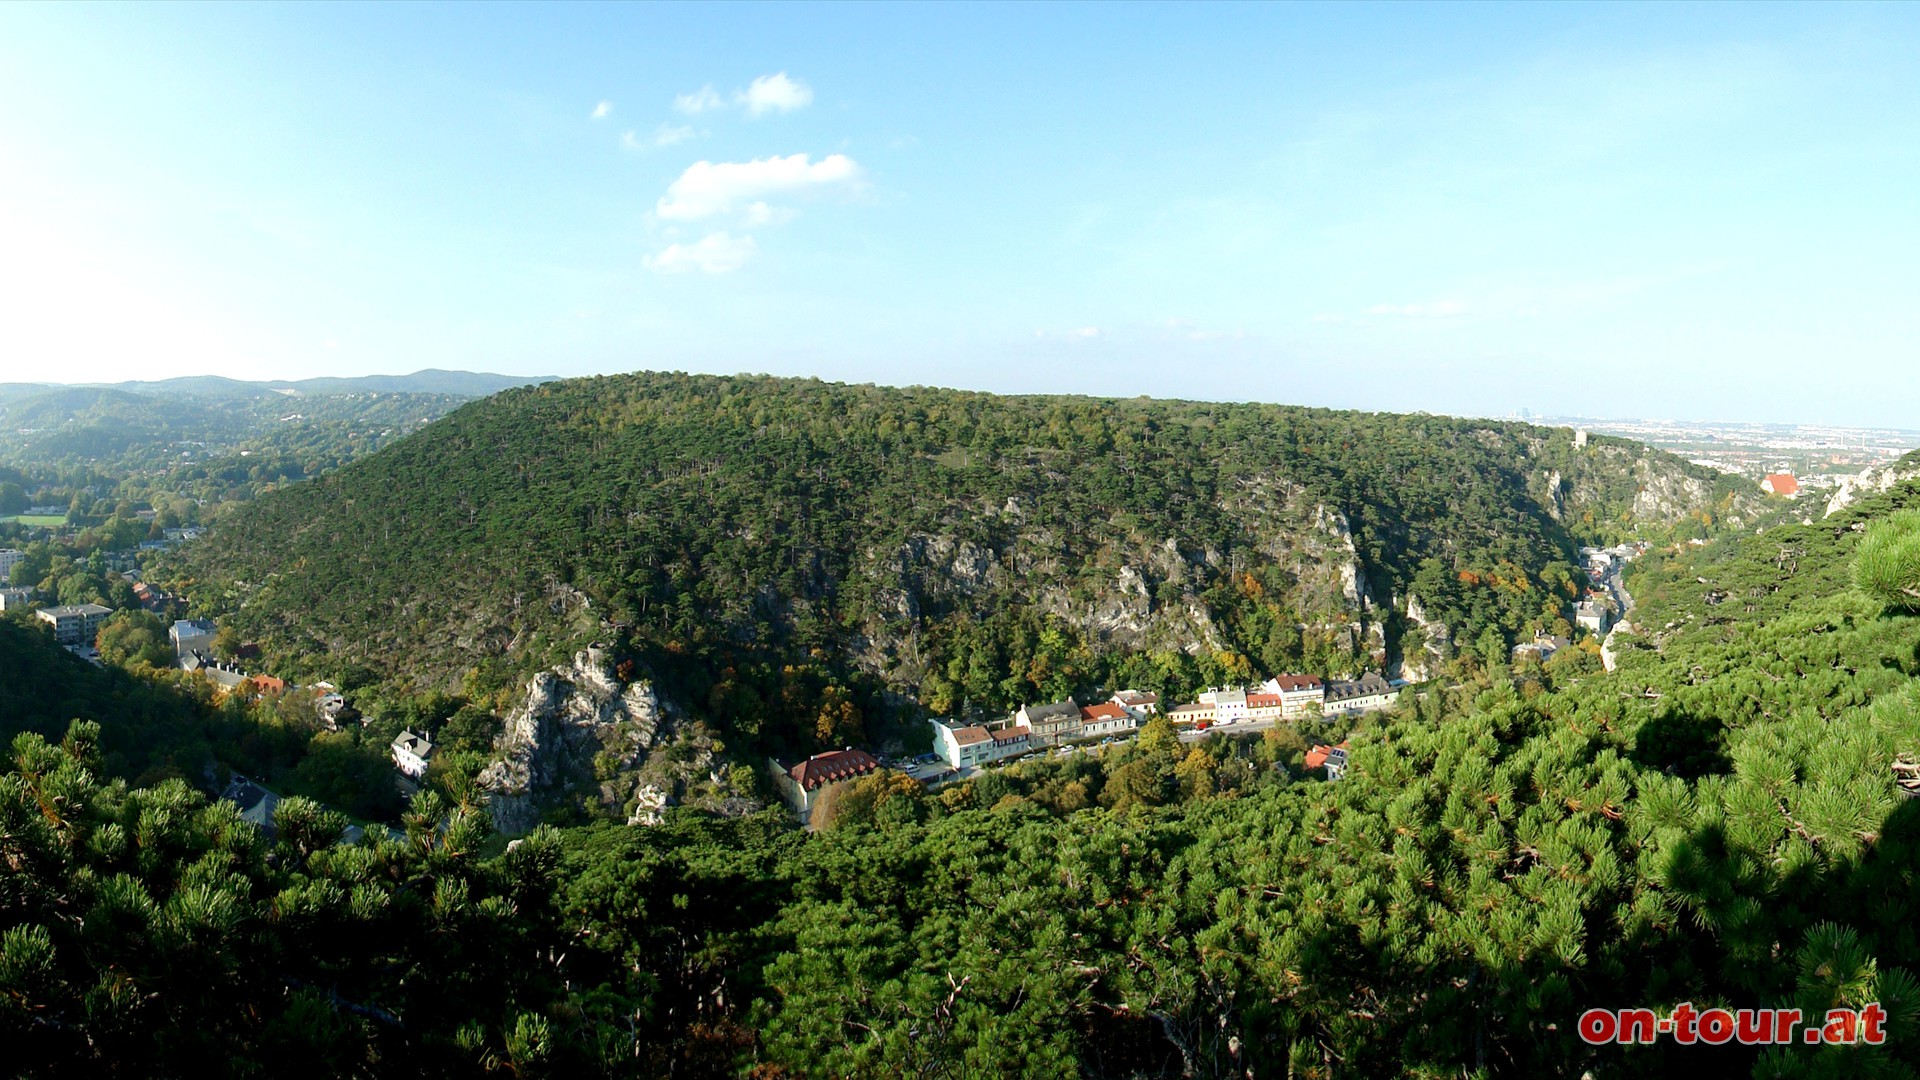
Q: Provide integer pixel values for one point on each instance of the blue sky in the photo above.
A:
(1624, 210)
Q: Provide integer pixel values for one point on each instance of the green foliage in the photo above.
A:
(1887, 566)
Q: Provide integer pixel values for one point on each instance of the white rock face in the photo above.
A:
(1664, 496)
(1419, 668)
(1869, 482)
(572, 714)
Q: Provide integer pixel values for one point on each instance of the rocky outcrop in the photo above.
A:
(1439, 642)
(1668, 494)
(580, 723)
(1872, 481)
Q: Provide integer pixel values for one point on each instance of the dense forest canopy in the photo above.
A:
(960, 552)
(1716, 822)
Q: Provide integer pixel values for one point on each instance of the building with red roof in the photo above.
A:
(1296, 692)
(809, 783)
(1106, 718)
(1331, 758)
(1780, 483)
(832, 767)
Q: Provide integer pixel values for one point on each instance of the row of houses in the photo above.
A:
(1036, 726)
(1288, 697)
(1284, 697)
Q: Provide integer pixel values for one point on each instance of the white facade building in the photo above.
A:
(1106, 718)
(190, 636)
(75, 624)
(1296, 692)
(412, 752)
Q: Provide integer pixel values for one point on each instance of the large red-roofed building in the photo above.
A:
(806, 785)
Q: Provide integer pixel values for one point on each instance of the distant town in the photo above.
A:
(1814, 455)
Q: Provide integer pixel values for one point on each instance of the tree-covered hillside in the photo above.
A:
(962, 550)
(1717, 822)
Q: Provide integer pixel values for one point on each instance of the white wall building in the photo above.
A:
(1296, 692)
(9, 558)
(1106, 718)
(412, 752)
(961, 747)
(1590, 615)
(1229, 704)
(191, 635)
(75, 624)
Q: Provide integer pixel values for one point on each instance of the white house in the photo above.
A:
(1591, 615)
(1009, 741)
(1296, 692)
(14, 599)
(961, 746)
(1264, 706)
(9, 558)
(1139, 705)
(411, 752)
(1106, 718)
(1229, 704)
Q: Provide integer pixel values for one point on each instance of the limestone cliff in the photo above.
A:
(579, 722)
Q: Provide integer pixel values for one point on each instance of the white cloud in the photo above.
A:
(774, 93)
(760, 213)
(715, 253)
(667, 134)
(664, 135)
(699, 101)
(601, 110)
(1435, 309)
(708, 188)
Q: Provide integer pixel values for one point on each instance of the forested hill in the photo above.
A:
(965, 549)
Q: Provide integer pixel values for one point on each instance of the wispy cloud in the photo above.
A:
(1433, 309)
(708, 188)
(702, 100)
(777, 93)
(601, 111)
(668, 134)
(774, 93)
(664, 135)
(715, 253)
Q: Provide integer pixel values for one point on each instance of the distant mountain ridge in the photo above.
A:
(425, 381)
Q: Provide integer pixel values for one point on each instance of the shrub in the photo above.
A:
(1887, 566)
